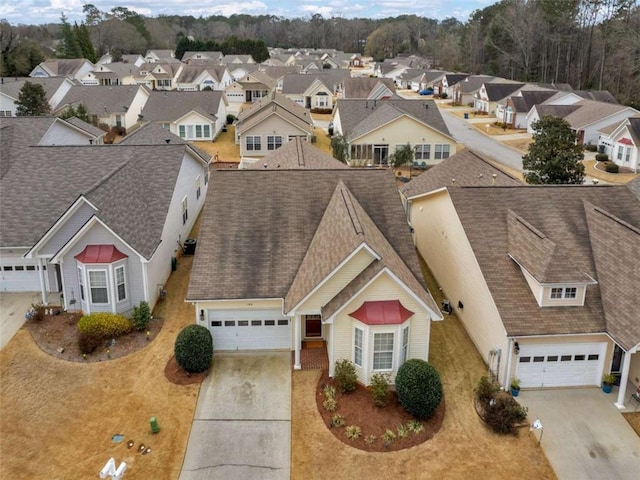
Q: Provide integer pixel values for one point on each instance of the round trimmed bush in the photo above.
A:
(194, 348)
(419, 388)
(612, 168)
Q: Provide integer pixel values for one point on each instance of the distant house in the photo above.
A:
(193, 116)
(368, 88)
(115, 73)
(55, 89)
(196, 77)
(491, 94)
(132, 59)
(250, 88)
(114, 106)
(376, 129)
(317, 255)
(446, 85)
(160, 75)
(268, 124)
(531, 273)
(113, 218)
(621, 141)
(309, 91)
(160, 56)
(519, 105)
(465, 90)
(72, 68)
(215, 57)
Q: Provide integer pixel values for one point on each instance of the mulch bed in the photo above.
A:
(57, 335)
(177, 375)
(358, 409)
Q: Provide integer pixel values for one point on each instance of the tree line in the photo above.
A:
(589, 44)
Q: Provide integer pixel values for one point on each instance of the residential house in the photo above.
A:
(375, 129)
(114, 73)
(193, 116)
(465, 90)
(160, 56)
(55, 89)
(241, 70)
(408, 77)
(215, 57)
(160, 75)
(621, 141)
(250, 88)
(133, 59)
(309, 91)
(106, 222)
(237, 59)
(115, 106)
(72, 68)
(586, 117)
(278, 74)
(298, 153)
(428, 79)
(492, 94)
(447, 83)
(317, 255)
(519, 105)
(200, 76)
(268, 124)
(368, 88)
(542, 277)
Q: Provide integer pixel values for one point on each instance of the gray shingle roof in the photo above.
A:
(464, 169)
(558, 211)
(164, 106)
(12, 86)
(473, 83)
(359, 116)
(87, 127)
(361, 87)
(297, 154)
(98, 99)
(64, 66)
(589, 111)
(616, 252)
(131, 186)
(257, 242)
(151, 134)
(498, 91)
(529, 98)
(298, 83)
(274, 103)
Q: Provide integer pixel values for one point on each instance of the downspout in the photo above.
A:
(509, 358)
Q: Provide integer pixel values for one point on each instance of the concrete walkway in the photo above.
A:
(242, 424)
(584, 436)
(13, 307)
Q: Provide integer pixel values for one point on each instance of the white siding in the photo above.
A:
(137, 104)
(7, 104)
(61, 134)
(67, 230)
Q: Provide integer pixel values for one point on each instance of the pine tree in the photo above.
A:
(69, 46)
(32, 101)
(554, 156)
(84, 41)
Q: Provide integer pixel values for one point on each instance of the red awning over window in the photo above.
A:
(625, 141)
(100, 254)
(386, 312)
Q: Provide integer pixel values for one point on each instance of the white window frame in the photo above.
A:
(182, 131)
(358, 348)
(81, 283)
(105, 272)
(442, 151)
(404, 349)
(274, 142)
(185, 210)
(423, 151)
(206, 131)
(198, 188)
(563, 293)
(118, 283)
(377, 352)
(253, 143)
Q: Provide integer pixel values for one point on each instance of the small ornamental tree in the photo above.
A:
(194, 348)
(141, 316)
(32, 101)
(419, 388)
(345, 376)
(554, 157)
(402, 156)
(340, 148)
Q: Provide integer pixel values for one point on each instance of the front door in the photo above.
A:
(312, 326)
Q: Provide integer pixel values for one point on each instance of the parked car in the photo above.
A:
(426, 91)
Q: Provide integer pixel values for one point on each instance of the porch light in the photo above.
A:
(516, 348)
(202, 315)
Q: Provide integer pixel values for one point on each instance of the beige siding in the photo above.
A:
(336, 283)
(406, 130)
(569, 302)
(383, 288)
(441, 240)
(536, 288)
(634, 370)
(273, 125)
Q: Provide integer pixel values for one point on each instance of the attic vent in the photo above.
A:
(167, 140)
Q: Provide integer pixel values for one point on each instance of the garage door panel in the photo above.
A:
(560, 365)
(249, 330)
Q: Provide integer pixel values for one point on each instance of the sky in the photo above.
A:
(37, 12)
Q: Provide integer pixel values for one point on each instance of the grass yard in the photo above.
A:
(224, 146)
(57, 417)
(463, 448)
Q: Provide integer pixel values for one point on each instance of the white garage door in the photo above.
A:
(561, 365)
(249, 330)
(19, 275)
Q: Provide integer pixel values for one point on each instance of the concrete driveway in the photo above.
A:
(584, 435)
(13, 307)
(242, 424)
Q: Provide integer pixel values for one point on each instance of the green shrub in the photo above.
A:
(194, 348)
(415, 426)
(419, 388)
(388, 436)
(591, 148)
(379, 388)
(88, 342)
(345, 376)
(602, 157)
(403, 431)
(369, 439)
(141, 316)
(337, 421)
(329, 391)
(330, 404)
(353, 432)
(444, 95)
(486, 390)
(230, 118)
(104, 325)
(612, 168)
(503, 413)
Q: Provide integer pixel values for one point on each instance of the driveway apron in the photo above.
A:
(13, 307)
(242, 424)
(584, 435)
